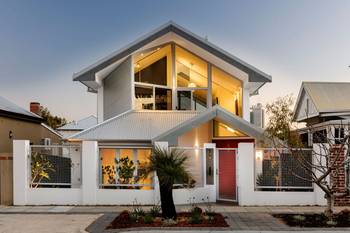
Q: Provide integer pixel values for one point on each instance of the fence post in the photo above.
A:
(245, 173)
(161, 145)
(89, 172)
(21, 171)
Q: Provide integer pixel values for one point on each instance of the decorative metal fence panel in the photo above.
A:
(55, 166)
(282, 170)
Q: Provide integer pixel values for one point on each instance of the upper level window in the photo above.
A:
(226, 91)
(222, 130)
(153, 66)
(191, 71)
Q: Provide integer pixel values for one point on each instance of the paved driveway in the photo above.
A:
(39, 223)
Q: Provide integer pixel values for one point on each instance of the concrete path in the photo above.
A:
(39, 223)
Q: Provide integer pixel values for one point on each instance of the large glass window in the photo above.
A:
(163, 99)
(192, 100)
(191, 71)
(124, 168)
(226, 91)
(153, 66)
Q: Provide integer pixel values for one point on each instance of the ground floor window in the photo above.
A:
(124, 168)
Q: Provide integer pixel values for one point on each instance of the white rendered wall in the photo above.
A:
(21, 150)
(54, 196)
(100, 104)
(246, 182)
(89, 172)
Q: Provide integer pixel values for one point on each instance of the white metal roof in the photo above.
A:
(329, 96)
(149, 125)
(135, 125)
(82, 124)
(8, 106)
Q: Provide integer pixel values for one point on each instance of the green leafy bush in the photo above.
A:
(155, 210)
(148, 219)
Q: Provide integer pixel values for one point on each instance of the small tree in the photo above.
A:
(40, 168)
(330, 156)
(170, 168)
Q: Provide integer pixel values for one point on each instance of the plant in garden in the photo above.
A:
(40, 168)
(148, 219)
(170, 166)
(155, 210)
(110, 172)
(137, 211)
(125, 169)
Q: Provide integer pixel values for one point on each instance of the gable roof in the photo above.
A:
(216, 112)
(9, 109)
(81, 124)
(88, 74)
(150, 125)
(327, 97)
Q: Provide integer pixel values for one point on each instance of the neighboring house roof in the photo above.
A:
(9, 109)
(51, 130)
(79, 125)
(88, 74)
(328, 98)
(161, 125)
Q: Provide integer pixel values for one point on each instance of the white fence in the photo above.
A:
(91, 188)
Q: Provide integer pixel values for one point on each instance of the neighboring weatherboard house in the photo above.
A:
(17, 123)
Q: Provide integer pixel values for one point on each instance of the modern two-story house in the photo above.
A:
(170, 89)
(176, 87)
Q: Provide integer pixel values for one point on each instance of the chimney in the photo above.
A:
(35, 108)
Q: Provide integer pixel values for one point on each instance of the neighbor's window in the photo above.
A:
(338, 135)
(319, 136)
(347, 176)
(124, 168)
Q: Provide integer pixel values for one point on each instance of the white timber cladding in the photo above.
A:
(117, 95)
(306, 107)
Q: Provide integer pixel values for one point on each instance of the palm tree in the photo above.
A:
(170, 168)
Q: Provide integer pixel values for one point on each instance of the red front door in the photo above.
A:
(227, 174)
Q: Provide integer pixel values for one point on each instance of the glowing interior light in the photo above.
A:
(259, 155)
(192, 85)
(137, 65)
(230, 129)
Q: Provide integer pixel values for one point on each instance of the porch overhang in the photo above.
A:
(216, 112)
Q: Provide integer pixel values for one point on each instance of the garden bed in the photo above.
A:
(341, 219)
(184, 219)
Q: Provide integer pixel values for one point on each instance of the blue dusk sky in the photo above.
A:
(42, 43)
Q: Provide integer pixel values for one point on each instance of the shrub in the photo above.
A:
(155, 210)
(196, 210)
(148, 219)
(343, 217)
(196, 218)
